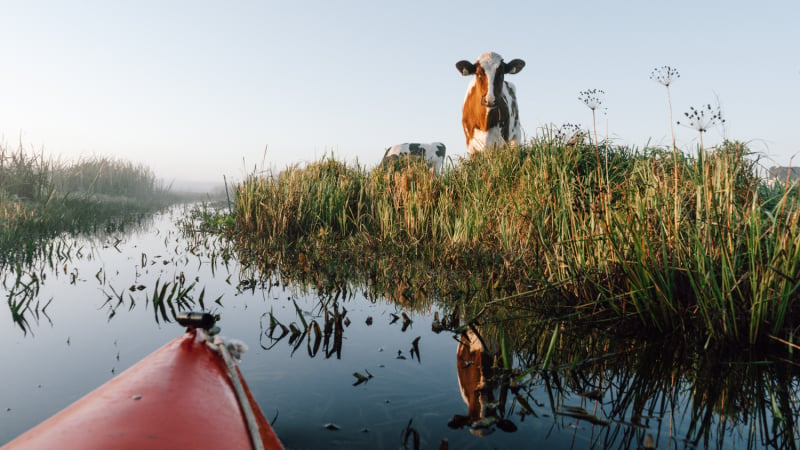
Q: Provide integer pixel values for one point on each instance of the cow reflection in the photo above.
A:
(480, 379)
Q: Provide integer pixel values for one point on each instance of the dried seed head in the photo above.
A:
(703, 118)
(569, 134)
(593, 98)
(664, 75)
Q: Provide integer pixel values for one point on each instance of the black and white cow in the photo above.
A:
(433, 153)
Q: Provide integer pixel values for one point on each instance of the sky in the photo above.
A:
(198, 90)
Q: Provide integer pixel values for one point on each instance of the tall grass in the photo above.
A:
(24, 174)
(721, 263)
(108, 177)
(41, 197)
(324, 199)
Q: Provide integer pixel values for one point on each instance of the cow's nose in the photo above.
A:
(488, 101)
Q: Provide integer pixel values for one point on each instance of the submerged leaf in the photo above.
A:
(314, 328)
(411, 433)
(360, 378)
(300, 314)
(592, 394)
(294, 329)
(415, 349)
(582, 414)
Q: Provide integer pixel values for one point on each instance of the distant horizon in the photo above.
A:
(193, 186)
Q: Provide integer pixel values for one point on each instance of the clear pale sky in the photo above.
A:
(197, 89)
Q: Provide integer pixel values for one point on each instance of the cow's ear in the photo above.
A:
(466, 68)
(514, 66)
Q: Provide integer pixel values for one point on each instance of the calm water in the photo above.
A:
(83, 339)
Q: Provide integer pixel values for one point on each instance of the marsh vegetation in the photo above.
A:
(547, 228)
(41, 197)
(602, 277)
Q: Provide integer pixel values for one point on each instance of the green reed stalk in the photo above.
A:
(531, 216)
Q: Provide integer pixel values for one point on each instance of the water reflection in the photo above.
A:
(373, 349)
(483, 387)
(625, 390)
(596, 385)
(24, 268)
(308, 330)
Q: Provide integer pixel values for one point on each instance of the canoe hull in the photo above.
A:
(180, 396)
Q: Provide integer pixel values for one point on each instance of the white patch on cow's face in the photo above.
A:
(491, 63)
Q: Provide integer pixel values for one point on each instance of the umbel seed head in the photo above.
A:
(664, 75)
(703, 118)
(592, 98)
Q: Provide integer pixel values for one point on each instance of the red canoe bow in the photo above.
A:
(180, 396)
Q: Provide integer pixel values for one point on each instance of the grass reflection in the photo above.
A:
(65, 257)
(519, 360)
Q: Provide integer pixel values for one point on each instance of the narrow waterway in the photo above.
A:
(363, 372)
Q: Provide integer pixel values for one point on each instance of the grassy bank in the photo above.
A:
(41, 198)
(673, 242)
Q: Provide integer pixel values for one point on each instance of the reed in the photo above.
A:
(666, 75)
(107, 176)
(41, 198)
(535, 218)
(324, 199)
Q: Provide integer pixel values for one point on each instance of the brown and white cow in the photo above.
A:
(490, 115)
(482, 384)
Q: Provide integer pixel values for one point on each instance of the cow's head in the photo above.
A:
(489, 71)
